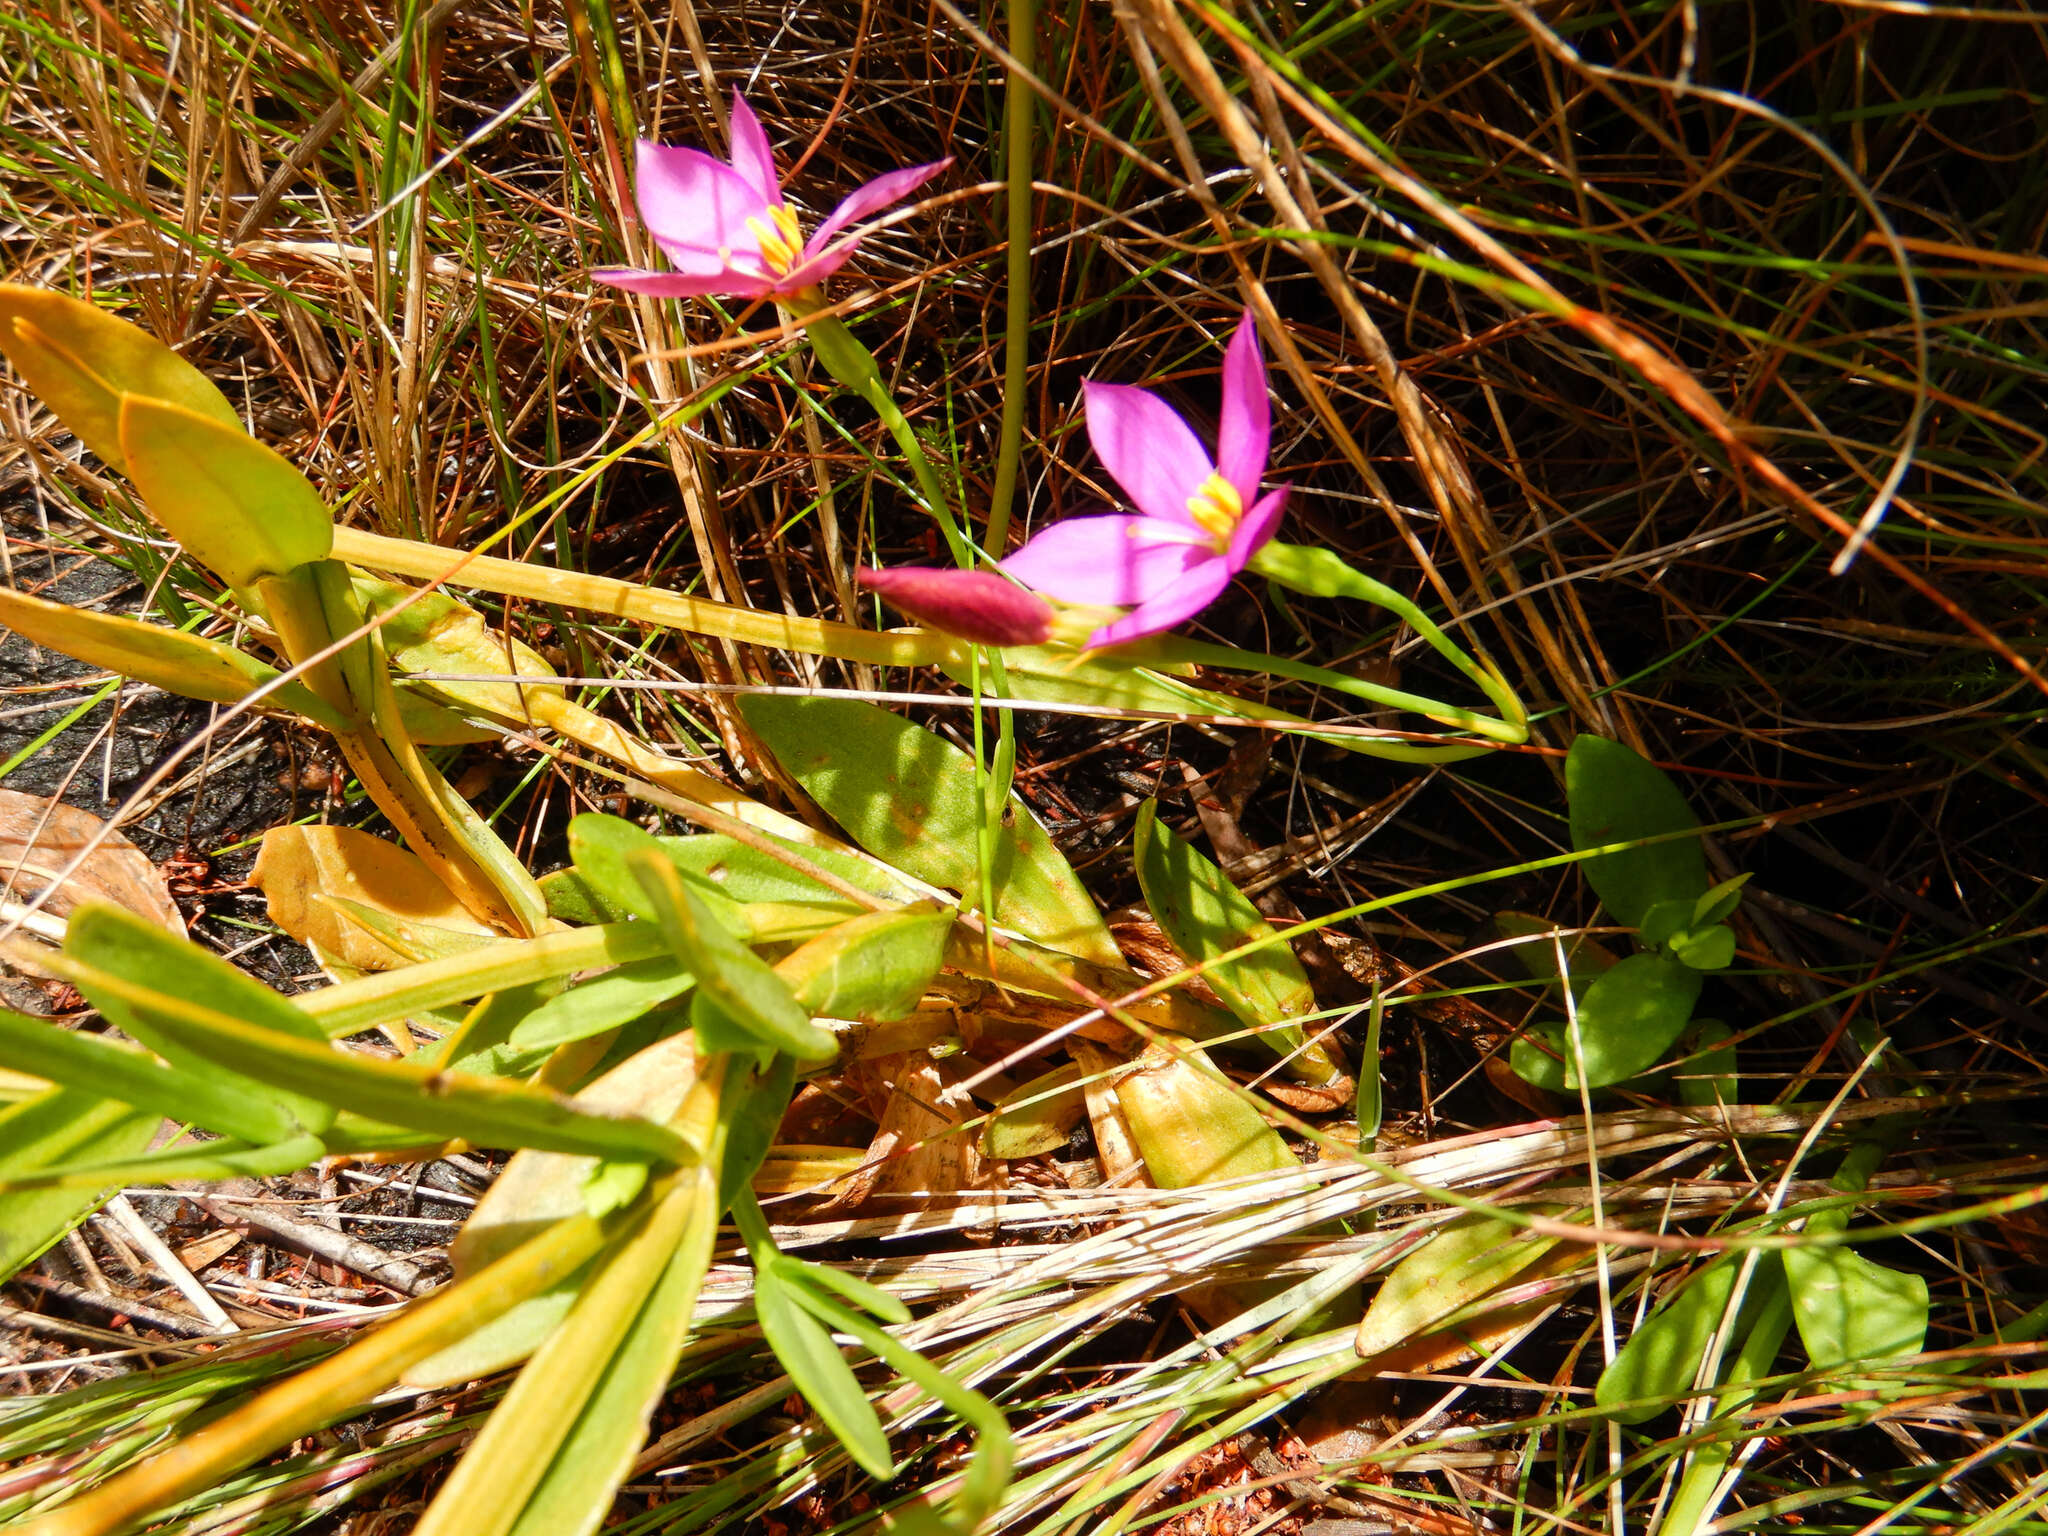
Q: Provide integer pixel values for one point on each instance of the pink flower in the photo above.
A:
(975, 605)
(726, 228)
(1198, 522)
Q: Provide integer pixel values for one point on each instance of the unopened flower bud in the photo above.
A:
(974, 605)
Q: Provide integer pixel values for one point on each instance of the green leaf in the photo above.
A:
(226, 1158)
(604, 847)
(751, 1105)
(718, 1033)
(504, 1341)
(445, 1105)
(818, 1370)
(820, 1278)
(573, 898)
(81, 361)
(577, 1412)
(577, 1494)
(1616, 797)
(1627, 1020)
(1706, 949)
(1039, 1117)
(912, 799)
(1192, 1124)
(154, 986)
(55, 1127)
(874, 968)
(1665, 921)
(745, 874)
(604, 1002)
(537, 1190)
(1719, 903)
(103, 1066)
(241, 510)
(1661, 1359)
(1466, 1262)
(169, 659)
(1203, 915)
(1370, 1106)
(730, 977)
(1850, 1308)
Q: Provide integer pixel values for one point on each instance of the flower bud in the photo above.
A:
(974, 605)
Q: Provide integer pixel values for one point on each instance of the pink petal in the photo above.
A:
(813, 270)
(1116, 560)
(1258, 526)
(683, 285)
(876, 195)
(1147, 449)
(975, 605)
(1183, 599)
(1244, 434)
(697, 207)
(751, 156)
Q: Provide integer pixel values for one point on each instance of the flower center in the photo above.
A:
(1216, 507)
(780, 240)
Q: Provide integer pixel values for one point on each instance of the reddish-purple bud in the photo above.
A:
(975, 605)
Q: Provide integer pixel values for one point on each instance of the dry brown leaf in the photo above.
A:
(300, 865)
(39, 837)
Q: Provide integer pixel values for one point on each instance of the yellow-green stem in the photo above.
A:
(328, 1391)
(1019, 106)
(629, 600)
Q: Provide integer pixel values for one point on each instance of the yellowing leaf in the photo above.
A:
(81, 361)
(1038, 1117)
(241, 510)
(1192, 1125)
(1465, 1262)
(170, 659)
(1203, 915)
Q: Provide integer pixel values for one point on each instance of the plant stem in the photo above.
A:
(630, 600)
(1019, 108)
(854, 366)
(330, 1390)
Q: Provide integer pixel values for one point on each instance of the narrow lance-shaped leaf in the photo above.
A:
(150, 983)
(1203, 915)
(102, 1066)
(575, 1495)
(604, 1002)
(55, 1127)
(730, 976)
(170, 659)
(208, 1020)
(912, 799)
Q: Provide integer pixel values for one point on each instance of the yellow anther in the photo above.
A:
(1216, 507)
(780, 240)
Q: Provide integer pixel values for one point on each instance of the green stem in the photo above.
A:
(854, 366)
(1019, 106)
(1319, 573)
